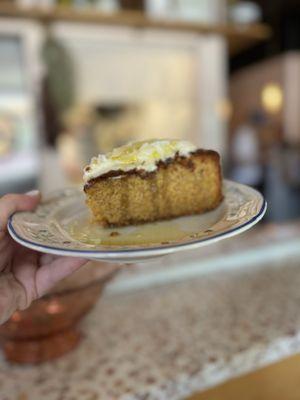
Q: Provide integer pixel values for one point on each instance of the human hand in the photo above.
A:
(26, 275)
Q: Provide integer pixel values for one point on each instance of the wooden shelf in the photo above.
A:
(239, 37)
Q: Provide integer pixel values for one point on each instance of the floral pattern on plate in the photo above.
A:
(47, 229)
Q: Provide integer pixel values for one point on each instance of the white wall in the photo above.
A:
(179, 79)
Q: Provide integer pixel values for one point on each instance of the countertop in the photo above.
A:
(172, 340)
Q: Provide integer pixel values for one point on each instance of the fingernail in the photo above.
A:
(33, 193)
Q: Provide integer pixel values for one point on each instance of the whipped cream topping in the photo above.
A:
(143, 155)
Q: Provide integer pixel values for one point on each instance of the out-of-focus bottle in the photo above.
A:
(282, 182)
(247, 166)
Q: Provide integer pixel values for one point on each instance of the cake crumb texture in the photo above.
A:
(184, 186)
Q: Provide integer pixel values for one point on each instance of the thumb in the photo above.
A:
(11, 203)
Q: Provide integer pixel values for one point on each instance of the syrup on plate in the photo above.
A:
(84, 230)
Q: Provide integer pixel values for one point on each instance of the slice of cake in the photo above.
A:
(152, 180)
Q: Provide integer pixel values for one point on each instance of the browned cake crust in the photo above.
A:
(179, 186)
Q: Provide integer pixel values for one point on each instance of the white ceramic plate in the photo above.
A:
(62, 225)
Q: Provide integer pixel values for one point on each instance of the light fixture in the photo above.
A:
(272, 98)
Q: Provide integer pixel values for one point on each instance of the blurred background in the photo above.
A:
(80, 77)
